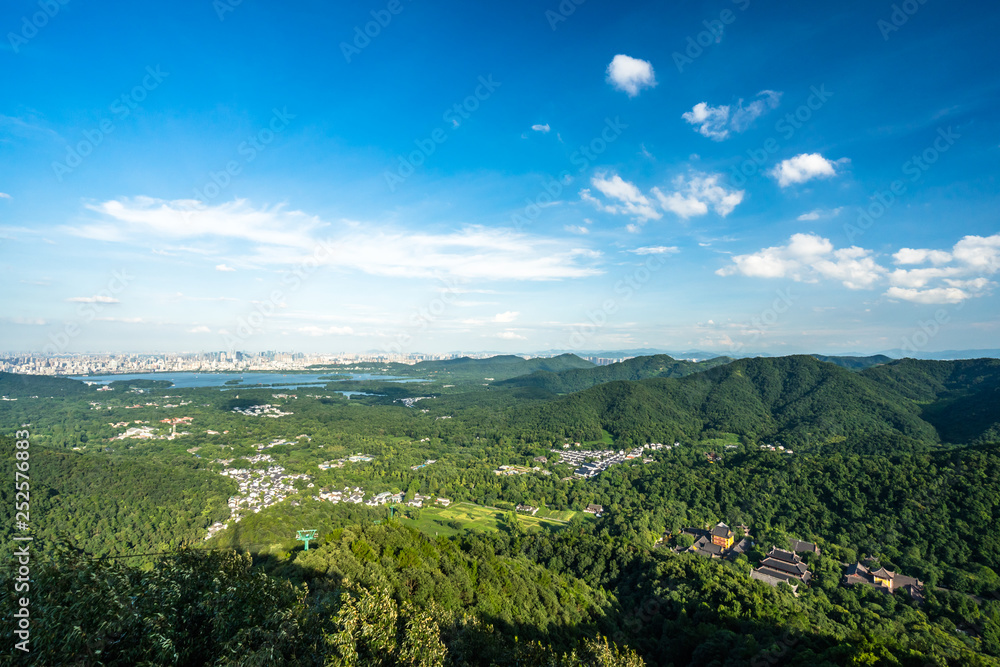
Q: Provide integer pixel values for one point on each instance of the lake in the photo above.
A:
(187, 380)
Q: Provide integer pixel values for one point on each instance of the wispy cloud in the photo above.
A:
(93, 299)
(656, 250)
(541, 128)
(631, 200)
(820, 214)
(313, 330)
(690, 196)
(717, 122)
(278, 236)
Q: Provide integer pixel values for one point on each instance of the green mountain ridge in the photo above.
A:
(798, 400)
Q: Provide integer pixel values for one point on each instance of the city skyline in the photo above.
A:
(405, 178)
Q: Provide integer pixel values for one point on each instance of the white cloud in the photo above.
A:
(928, 296)
(819, 213)
(4, 195)
(712, 121)
(576, 229)
(921, 256)
(808, 257)
(717, 122)
(981, 253)
(656, 250)
(191, 219)
(630, 74)
(508, 316)
(28, 320)
(694, 195)
(743, 116)
(804, 167)
(541, 128)
(633, 202)
(93, 299)
(510, 335)
(278, 236)
(223, 267)
(199, 329)
(954, 277)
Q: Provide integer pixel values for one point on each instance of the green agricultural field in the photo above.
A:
(435, 520)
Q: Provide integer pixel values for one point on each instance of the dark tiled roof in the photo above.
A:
(794, 569)
(781, 554)
(721, 530)
(800, 546)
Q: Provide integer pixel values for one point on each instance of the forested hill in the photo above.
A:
(636, 368)
(797, 400)
(498, 368)
(14, 385)
(856, 363)
(960, 398)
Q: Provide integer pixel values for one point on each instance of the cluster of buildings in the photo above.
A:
(786, 565)
(149, 432)
(339, 463)
(591, 462)
(506, 471)
(357, 496)
(102, 364)
(409, 402)
(776, 448)
(266, 410)
(424, 464)
(258, 487)
(884, 580)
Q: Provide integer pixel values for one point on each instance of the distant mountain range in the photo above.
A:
(865, 405)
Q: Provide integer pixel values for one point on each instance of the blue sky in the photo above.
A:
(514, 177)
